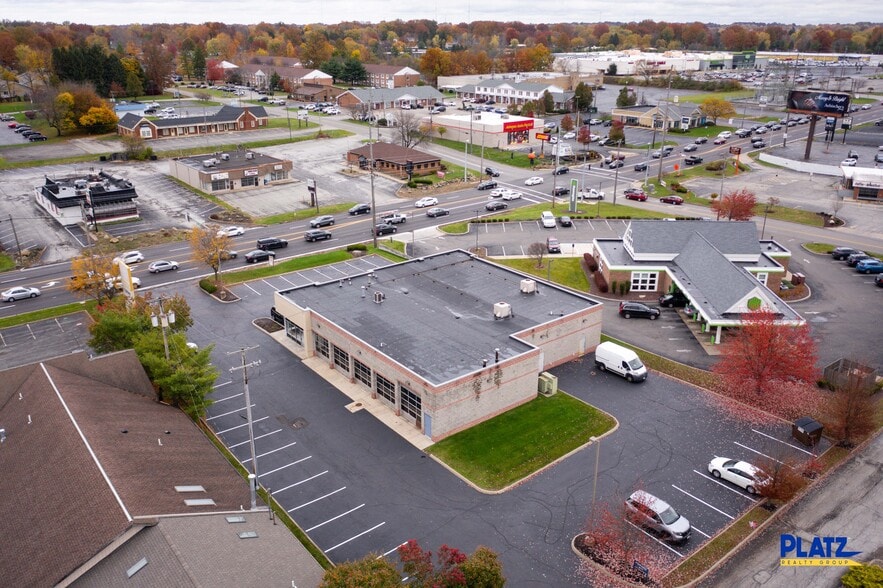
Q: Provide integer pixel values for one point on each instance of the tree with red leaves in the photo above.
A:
(738, 205)
(769, 366)
(453, 568)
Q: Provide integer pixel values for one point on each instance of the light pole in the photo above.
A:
(557, 163)
(597, 443)
(476, 211)
(651, 145)
(465, 152)
(664, 129)
(616, 173)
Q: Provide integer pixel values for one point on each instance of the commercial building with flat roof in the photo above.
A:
(445, 341)
(230, 170)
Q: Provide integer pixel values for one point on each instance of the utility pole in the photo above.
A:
(15, 234)
(163, 320)
(371, 167)
(557, 163)
(664, 128)
(244, 367)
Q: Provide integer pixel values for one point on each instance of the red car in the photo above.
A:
(672, 199)
(12, 125)
(636, 195)
(720, 141)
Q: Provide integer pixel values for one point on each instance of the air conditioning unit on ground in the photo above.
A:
(528, 286)
(547, 384)
(502, 310)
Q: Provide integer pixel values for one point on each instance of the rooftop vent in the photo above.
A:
(379, 297)
(528, 286)
(208, 162)
(502, 310)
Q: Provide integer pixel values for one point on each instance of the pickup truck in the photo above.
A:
(394, 218)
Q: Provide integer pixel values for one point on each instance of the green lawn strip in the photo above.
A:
(519, 442)
(701, 378)
(281, 513)
(296, 124)
(287, 217)
(566, 271)
(827, 248)
(7, 262)
(47, 313)
(395, 246)
(491, 154)
(731, 95)
(716, 549)
(5, 164)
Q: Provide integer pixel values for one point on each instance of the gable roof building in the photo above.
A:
(227, 119)
(380, 99)
(390, 76)
(505, 91)
(89, 458)
(393, 159)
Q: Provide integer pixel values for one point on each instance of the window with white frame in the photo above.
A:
(322, 347)
(644, 281)
(762, 277)
(146, 132)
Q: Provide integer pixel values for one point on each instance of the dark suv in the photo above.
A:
(272, 243)
(636, 309)
(487, 185)
(673, 299)
(492, 172)
(841, 253)
(560, 190)
(853, 259)
(360, 209)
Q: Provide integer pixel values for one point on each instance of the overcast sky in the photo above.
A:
(96, 12)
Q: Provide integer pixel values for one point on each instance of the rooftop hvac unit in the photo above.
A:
(249, 155)
(547, 384)
(528, 286)
(225, 156)
(502, 310)
(378, 297)
(208, 163)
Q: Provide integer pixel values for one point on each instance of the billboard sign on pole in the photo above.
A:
(818, 102)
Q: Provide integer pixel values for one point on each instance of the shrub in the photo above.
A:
(675, 185)
(613, 286)
(862, 577)
(31, 114)
(208, 285)
(601, 282)
(717, 165)
(591, 262)
(357, 247)
(623, 288)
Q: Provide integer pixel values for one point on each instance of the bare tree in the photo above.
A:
(411, 130)
(537, 251)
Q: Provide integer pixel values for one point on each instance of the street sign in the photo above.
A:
(735, 150)
(543, 136)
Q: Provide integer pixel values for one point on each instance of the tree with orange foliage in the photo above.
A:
(738, 205)
(769, 366)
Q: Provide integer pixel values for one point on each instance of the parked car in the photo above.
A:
(18, 293)
(621, 361)
(561, 169)
(272, 243)
(533, 181)
(360, 209)
(673, 299)
(37, 137)
(427, 201)
(869, 266)
(560, 190)
(552, 245)
(565, 221)
(639, 196)
(258, 255)
(487, 185)
(547, 219)
(854, 259)
(657, 515)
(741, 473)
(162, 266)
(692, 160)
(494, 173)
(322, 221)
(495, 205)
(383, 229)
(672, 199)
(841, 253)
(637, 310)
(436, 211)
(317, 235)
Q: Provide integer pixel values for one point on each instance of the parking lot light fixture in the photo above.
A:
(597, 443)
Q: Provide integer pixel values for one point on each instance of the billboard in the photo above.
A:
(818, 102)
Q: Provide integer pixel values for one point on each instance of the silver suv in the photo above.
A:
(652, 513)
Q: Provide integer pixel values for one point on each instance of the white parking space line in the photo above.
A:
(221, 385)
(274, 450)
(703, 502)
(757, 452)
(31, 331)
(317, 499)
(275, 492)
(288, 465)
(256, 438)
(355, 537)
(240, 426)
(217, 416)
(287, 280)
(228, 398)
(391, 550)
(783, 442)
(722, 485)
(343, 514)
(706, 535)
(327, 277)
(270, 285)
(504, 250)
(663, 543)
(252, 289)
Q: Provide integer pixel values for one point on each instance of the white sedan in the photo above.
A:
(533, 181)
(162, 266)
(849, 162)
(231, 232)
(740, 473)
(568, 135)
(428, 201)
(18, 293)
(512, 195)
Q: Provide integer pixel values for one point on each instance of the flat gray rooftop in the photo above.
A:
(437, 316)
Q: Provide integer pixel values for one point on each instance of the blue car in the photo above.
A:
(869, 266)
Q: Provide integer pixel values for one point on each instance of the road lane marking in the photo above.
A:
(217, 416)
(706, 535)
(256, 438)
(703, 502)
(240, 426)
(391, 550)
(228, 398)
(644, 531)
(758, 452)
(275, 450)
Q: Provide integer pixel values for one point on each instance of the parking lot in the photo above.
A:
(45, 339)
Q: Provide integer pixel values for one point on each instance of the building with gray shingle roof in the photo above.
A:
(722, 268)
(227, 119)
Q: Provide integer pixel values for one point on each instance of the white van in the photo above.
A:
(620, 360)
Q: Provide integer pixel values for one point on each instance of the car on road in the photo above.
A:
(656, 154)
(427, 201)
(495, 205)
(511, 195)
(639, 167)
(317, 235)
(690, 147)
(673, 299)
(595, 121)
(758, 143)
(322, 221)
(258, 255)
(639, 196)
(590, 194)
(615, 164)
(741, 473)
(568, 135)
(565, 221)
(869, 266)
(547, 219)
(742, 133)
(866, 107)
(841, 253)
(553, 245)
(657, 515)
(628, 191)
(272, 243)
(383, 229)
(360, 209)
(720, 141)
(879, 280)
(553, 139)
(130, 257)
(162, 265)
(394, 218)
(692, 160)
(637, 310)
(493, 172)
(116, 282)
(18, 293)
(226, 254)
(725, 134)
(849, 162)
(561, 169)
(231, 232)
(701, 140)
(560, 190)
(533, 181)
(672, 199)
(487, 185)
(437, 211)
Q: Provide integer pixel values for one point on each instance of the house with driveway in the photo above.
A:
(721, 267)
